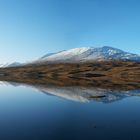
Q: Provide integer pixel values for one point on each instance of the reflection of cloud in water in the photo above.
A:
(82, 94)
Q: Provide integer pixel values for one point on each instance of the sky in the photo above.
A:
(30, 29)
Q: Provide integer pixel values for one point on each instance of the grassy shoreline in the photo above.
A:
(110, 74)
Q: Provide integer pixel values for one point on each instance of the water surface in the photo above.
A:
(50, 112)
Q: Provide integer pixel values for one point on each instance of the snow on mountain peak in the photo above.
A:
(78, 50)
(85, 54)
(68, 54)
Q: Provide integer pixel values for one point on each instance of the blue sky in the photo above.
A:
(32, 28)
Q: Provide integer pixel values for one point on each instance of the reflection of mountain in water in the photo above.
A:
(84, 94)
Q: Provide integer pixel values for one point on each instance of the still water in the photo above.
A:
(67, 113)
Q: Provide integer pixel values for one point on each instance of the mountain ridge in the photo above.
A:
(86, 54)
(82, 55)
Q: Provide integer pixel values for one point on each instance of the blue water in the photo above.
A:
(26, 113)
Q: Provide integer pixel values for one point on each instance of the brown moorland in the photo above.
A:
(108, 74)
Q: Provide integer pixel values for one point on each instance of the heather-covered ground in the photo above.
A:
(109, 74)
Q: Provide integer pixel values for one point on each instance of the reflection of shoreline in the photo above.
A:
(110, 84)
(81, 94)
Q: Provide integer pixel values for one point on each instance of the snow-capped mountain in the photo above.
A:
(14, 64)
(4, 65)
(86, 54)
